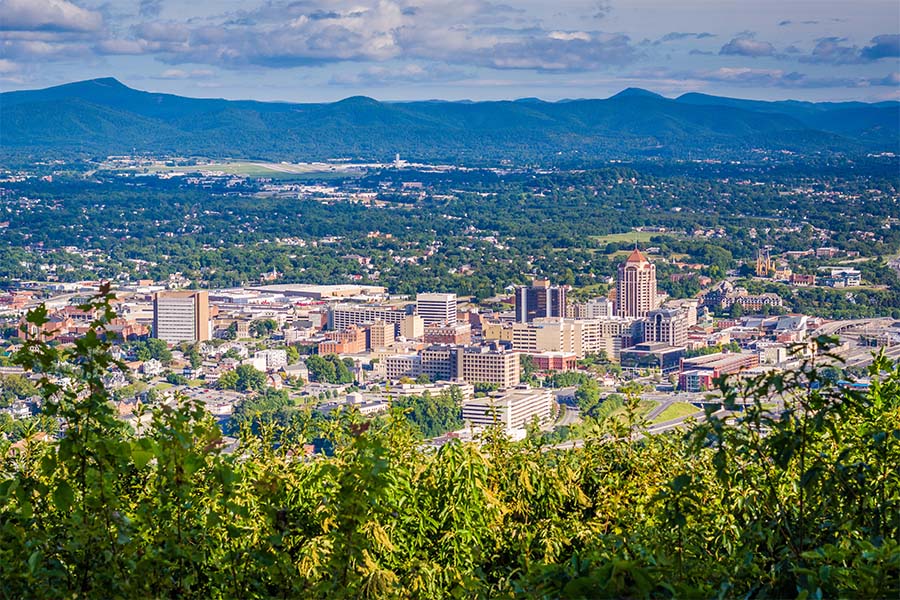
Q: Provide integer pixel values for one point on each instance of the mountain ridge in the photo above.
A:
(103, 116)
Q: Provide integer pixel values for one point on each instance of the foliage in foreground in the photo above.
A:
(803, 503)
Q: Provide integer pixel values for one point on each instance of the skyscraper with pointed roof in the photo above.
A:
(636, 286)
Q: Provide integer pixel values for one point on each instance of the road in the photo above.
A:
(569, 415)
(651, 430)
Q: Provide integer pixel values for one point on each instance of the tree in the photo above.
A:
(527, 367)
(194, 356)
(232, 353)
(587, 396)
(433, 415)
(320, 369)
(292, 354)
(249, 379)
(263, 327)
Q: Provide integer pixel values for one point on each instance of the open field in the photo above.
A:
(641, 237)
(249, 169)
(644, 407)
(675, 411)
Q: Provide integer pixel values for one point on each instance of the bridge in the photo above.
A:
(839, 327)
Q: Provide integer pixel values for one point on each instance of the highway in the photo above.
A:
(656, 428)
(569, 415)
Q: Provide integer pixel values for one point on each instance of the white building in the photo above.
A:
(275, 359)
(513, 410)
(437, 309)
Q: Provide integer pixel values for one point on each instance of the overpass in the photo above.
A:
(839, 327)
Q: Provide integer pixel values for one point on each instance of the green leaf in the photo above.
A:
(63, 496)
(33, 561)
(141, 457)
(680, 482)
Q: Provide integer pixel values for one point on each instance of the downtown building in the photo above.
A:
(342, 316)
(181, 316)
(445, 362)
(540, 300)
(579, 337)
(436, 309)
(513, 411)
(636, 286)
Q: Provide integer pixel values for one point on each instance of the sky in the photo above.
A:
(320, 50)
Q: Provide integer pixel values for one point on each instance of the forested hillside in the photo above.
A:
(801, 503)
(101, 117)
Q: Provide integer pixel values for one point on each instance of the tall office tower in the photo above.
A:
(181, 316)
(636, 286)
(667, 325)
(540, 300)
(437, 309)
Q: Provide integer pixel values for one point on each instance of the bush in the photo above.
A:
(802, 500)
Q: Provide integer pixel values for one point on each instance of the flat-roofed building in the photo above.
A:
(652, 356)
(555, 361)
(436, 309)
(497, 331)
(342, 316)
(380, 335)
(440, 362)
(459, 334)
(403, 365)
(714, 365)
(181, 316)
(666, 325)
(348, 341)
(540, 299)
(481, 364)
(412, 327)
(579, 336)
(513, 410)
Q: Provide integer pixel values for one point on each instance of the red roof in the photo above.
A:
(636, 257)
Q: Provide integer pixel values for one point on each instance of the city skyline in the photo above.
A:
(407, 50)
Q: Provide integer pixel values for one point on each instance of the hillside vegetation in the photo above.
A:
(802, 504)
(101, 117)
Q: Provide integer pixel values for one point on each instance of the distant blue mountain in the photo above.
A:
(102, 116)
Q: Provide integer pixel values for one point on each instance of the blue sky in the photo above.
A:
(318, 50)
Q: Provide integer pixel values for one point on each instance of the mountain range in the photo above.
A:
(100, 117)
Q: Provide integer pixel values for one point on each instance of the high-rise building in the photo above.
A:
(181, 316)
(666, 325)
(380, 335)
(636, 286)
(578, 336)
(437, 309)
(540, 300)
(412, 327)
(473, 364)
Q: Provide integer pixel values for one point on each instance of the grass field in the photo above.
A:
(644, 407)
(253, 169)
(642, 237)
(675, 411)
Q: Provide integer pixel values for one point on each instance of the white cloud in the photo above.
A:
(746, 46)
(182, 74)
(8, 66)
(47, 15)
